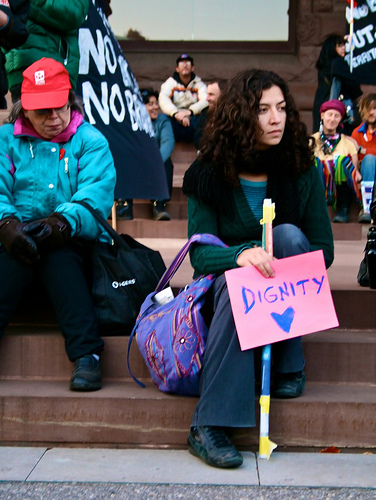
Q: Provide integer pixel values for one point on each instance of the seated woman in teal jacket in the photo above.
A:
(50, 157)
(254, 147)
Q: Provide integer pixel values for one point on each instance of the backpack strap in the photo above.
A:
(202, 239)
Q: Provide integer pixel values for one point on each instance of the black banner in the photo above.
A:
(364, 41)
(113, 104)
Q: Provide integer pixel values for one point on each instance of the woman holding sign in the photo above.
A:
(254, 147)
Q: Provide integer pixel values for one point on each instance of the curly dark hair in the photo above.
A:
(232, 129)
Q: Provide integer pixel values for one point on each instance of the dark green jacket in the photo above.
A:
(244, 231)
(53, 32)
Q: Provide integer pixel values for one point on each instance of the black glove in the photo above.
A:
(50, 233)
(17, 243)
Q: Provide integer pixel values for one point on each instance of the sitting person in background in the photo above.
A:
(166, 142)
(365, 137)
(50, 158)
(254, 147)
(182, 98)
(213, 91)
(337, 160)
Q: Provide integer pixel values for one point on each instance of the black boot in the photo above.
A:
(343, 203)
(159, 211)
(124, 209)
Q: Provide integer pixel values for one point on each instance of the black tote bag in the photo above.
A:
(123, 274)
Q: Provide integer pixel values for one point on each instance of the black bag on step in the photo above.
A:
(363, 273)
(124, 273)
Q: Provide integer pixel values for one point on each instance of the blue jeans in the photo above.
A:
(368, 168)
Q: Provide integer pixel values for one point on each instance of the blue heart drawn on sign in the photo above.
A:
(285, 319)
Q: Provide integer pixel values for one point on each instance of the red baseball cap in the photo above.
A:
(45, 84)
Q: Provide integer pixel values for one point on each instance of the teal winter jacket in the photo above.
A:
(38, 177)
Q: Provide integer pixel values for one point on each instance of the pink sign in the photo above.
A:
(297, 301)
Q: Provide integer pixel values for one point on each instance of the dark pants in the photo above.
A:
(61, 273)
(227, 384)
(169, 168)
(181, 133)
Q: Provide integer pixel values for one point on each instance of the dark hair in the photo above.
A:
(75, 104)
(221, 82)
(328, 50)
(365, 103)
(231, 133)
(147, 93)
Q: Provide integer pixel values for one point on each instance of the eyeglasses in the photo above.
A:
(47, 111)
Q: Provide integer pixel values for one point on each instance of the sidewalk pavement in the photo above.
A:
(92, 473)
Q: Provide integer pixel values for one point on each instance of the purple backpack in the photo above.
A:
(171, 337)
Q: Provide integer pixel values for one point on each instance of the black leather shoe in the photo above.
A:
(159, 211)
(364, 218)
(289, 385)
(342, 216)
(212, 445)
(124, 210)
(86, 375)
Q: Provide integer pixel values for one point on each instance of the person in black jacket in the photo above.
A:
(330, 64)
(13, 33)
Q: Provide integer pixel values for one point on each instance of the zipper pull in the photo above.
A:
(66, 164)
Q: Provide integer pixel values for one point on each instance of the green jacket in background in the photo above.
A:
(53, 32)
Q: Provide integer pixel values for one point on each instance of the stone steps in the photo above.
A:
(122, 414)
(36, 406)
(335, 356)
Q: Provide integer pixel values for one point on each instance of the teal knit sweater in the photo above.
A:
(244, 231)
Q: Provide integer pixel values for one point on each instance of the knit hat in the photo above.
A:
(333, 104)
(45, 84)
(184, 57)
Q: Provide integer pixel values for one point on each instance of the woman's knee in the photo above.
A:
(289, 240)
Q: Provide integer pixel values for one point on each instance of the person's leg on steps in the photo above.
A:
(62, 273)
(15, 277)
(368, 171)
(344, 196)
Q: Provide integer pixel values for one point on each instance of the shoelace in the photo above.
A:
(218, 437)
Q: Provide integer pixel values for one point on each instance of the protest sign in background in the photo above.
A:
(114, 105)
(297, 301)
(363, 57)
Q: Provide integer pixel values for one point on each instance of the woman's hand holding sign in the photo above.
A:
(259, 258)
